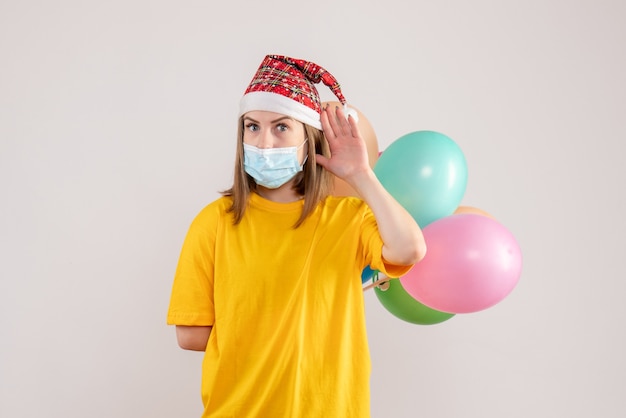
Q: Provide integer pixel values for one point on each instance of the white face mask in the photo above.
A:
(272, 167)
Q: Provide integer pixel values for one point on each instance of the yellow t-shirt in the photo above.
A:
(286, 306)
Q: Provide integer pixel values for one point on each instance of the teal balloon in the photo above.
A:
(367, 274)
(402, 305)
(426, 172)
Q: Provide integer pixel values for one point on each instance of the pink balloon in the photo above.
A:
(472, 262)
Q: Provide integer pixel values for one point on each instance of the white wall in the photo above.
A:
(117, 122)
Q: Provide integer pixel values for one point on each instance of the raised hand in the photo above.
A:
(348, 150)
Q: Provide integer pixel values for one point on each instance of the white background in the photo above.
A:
(117, 125)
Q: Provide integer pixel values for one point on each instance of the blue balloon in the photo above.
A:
(367, 274)
(426, 172)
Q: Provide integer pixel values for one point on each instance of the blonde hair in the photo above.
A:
(314, 183)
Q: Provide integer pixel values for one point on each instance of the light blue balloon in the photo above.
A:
(426, 172)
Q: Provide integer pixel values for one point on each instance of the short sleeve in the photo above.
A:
(191, 301)
(373, 247)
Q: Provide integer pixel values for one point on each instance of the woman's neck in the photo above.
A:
(282, 194)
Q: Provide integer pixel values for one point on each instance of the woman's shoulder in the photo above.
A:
(346, 203)
(214, 210)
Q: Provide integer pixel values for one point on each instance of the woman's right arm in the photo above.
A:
(193, 337)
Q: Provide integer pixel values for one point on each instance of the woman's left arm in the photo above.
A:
(403, 241)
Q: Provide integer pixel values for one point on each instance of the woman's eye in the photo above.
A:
(281, 127)
(252, 127)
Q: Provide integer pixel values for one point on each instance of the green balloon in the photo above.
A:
(426, 172)
(397, 301)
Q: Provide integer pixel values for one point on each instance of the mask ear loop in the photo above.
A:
(306, 157)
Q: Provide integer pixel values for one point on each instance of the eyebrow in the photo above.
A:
(273, 121)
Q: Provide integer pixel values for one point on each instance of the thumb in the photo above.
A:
(321, 160)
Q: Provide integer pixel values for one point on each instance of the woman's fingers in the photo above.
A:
(335, 124)
(343, 127)
(326, 125)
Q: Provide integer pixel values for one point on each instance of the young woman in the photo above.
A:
(268, 283)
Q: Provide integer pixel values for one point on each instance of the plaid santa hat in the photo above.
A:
(286, 85)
